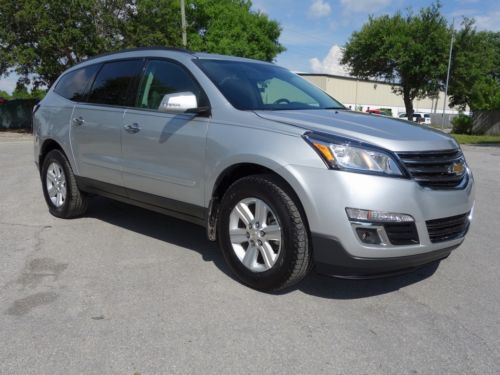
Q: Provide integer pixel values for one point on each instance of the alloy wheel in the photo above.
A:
(255, 234)
(56, 184)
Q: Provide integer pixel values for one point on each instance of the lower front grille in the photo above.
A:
(448, 228)
(401, 233)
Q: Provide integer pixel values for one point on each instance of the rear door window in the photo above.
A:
(114, 82)
(74, 85)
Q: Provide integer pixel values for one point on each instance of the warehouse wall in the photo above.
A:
(353, 92)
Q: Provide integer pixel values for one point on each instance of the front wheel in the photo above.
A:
(263, 234)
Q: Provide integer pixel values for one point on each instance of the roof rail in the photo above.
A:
(161, 48)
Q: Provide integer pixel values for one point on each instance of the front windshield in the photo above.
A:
(257, 86)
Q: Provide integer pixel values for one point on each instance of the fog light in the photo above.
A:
(357, 214)
(369, 236)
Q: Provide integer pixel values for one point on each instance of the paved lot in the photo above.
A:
(124, 290)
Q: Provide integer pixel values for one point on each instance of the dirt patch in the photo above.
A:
(25, 305)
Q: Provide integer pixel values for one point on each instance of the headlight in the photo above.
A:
(351, 156)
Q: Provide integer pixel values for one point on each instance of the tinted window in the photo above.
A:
(258, 86)
(74, 85)
(113, 81)
(163, 77)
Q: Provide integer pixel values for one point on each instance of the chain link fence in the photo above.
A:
(438, 120)
(16, 114)
(486, 122)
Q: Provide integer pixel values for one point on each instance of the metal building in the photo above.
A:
(363, 95)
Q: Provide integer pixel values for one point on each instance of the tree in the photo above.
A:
(43, 39)
(39, 40)
(474, 78)
(410, 52)
(216, 26)
(152, 23)
(230, 27)
(21, 92)
(4, 95)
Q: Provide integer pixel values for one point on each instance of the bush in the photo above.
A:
(462, 124)
(386, 111)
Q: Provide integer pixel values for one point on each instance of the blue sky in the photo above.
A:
(312, 27)
(314, 30)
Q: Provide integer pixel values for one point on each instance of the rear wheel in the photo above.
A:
(262, 233)
(60, 190)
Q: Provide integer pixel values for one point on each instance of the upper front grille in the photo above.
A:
(448, 228)
(435, 169)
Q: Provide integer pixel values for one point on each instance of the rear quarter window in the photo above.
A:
(114, 81)
(74, 85)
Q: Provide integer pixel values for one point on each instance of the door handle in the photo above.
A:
(132, 128)
(78, 121)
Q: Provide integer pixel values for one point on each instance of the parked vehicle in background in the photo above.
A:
(282, 175)
(380, 111)
(417, 117)
(427, 118)
(3, 100)
(374, 111)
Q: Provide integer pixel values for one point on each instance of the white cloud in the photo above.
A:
(364, 6)
(488, 22)
(484, 21)
(8, 83)
(330, 64)
(319, 8)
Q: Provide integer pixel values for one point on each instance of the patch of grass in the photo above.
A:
(476, 139)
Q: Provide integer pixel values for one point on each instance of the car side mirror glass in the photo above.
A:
(179, 102)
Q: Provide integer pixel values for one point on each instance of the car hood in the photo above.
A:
(389, 133)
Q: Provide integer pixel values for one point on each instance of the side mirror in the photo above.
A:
(179, 102)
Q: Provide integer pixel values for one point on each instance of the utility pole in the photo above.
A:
(183, 24)
(356, 97)
(445, 102)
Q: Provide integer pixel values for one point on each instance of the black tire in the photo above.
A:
(75, 203)
(294, 259)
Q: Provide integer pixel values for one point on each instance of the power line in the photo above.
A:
(448, 73)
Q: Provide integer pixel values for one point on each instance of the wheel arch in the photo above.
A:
(48, 145)
(235, 172)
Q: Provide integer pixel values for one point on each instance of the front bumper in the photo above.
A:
(325, 194)
(334, 260)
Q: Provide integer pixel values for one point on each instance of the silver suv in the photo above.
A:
(283, 176)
